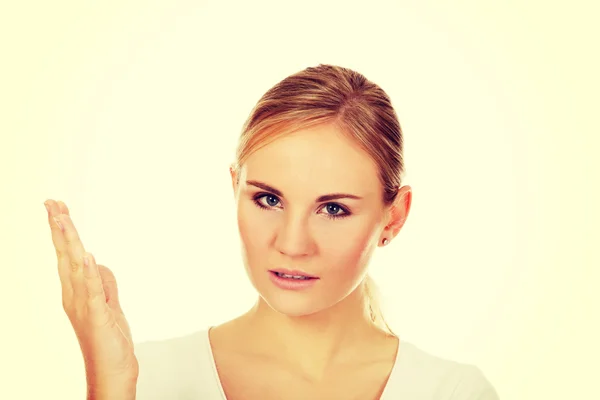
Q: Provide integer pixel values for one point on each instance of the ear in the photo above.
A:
(233, 175)
(398, 213)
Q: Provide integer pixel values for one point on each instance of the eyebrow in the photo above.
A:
(325, 197)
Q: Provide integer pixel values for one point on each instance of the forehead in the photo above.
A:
(317, 159)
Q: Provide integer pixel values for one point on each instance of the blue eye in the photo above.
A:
(333, 209)
(271, 200)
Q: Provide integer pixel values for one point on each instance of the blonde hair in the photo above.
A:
(329, 94)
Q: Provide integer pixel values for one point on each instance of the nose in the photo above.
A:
(293, 237)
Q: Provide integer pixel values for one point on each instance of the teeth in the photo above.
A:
(291, 276)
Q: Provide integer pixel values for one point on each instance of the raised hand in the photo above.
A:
(91, 301)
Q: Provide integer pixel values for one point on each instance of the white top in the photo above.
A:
(183, 368)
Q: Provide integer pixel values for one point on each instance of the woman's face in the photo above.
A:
(285, 226)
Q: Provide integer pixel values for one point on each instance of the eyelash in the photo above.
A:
(330, 216)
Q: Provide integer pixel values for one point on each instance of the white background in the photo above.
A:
(130, 113)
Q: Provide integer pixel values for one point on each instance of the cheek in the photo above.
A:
(349, 252)
(254, 228)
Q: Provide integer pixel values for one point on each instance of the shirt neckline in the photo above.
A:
(214, 364)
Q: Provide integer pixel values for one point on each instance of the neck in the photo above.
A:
(314, 343)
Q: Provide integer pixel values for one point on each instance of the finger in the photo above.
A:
(63, 208)
(95, 295)
(53, 211)
(75, 251)
(60, 247)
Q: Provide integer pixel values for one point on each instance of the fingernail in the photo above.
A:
(59, 224)
(47, 207)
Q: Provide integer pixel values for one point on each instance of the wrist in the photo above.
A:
(114, 388)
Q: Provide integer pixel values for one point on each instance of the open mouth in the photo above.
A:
(287, 279)
(297, 277)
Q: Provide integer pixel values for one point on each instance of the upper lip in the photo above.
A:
(294, 272)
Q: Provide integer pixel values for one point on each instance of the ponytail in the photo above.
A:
(374, 305)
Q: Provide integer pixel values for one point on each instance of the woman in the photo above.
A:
(317, 183)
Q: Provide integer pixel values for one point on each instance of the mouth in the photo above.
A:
(292, 280)
(292, 275)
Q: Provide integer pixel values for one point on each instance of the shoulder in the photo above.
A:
(179, 367)
(423, 375)
(472, 384)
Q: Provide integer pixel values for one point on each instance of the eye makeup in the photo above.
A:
(336, 207)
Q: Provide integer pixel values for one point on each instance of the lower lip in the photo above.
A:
(290, 283)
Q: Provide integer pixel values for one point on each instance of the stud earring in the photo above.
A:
(385, 241)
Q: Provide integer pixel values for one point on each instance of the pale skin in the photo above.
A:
(317, 343)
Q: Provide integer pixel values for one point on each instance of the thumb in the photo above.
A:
(109, 283)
